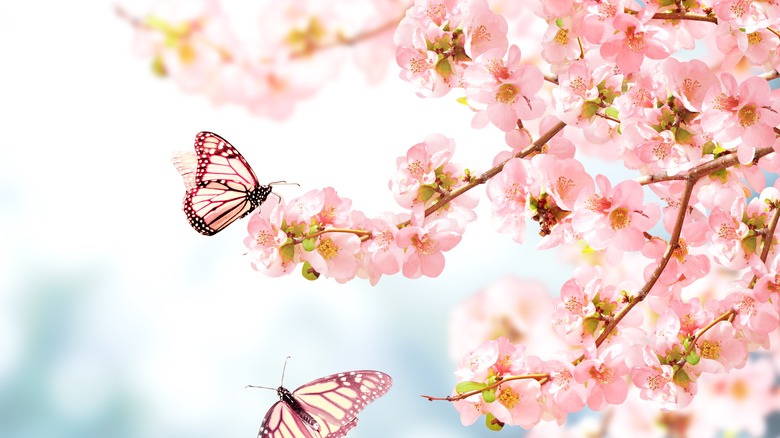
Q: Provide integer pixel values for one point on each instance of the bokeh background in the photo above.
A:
(117, 319)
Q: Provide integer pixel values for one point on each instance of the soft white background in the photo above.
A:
(117, 319)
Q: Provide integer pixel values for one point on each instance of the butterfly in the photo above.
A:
(221, 186)
(324, 408)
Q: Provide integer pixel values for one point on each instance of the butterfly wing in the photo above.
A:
(218, 160)
(334, 401)
(282, 422)
(221, 186)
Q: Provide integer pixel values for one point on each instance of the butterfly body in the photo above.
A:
(221, 186)
(324, 408)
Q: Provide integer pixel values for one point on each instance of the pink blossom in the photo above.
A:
(645, 94)
(683, 268)
(721, 350)
(603, 375)
(517, 403)
(689, 81)
(303, 208)
(508, 194)
(563, 179)
(505, 89)
(483, 28)
(418, 65)
(747, 15)
(566, 393)
(382, 255)
(335, 209)
(470, 408)
(335, 255)
(576, 305)
(517, 309)
(578, 91)
(560, 45)
(416, 180)
(266, 239)
(667, 332)
(728, 232)
(437, 40)
(616, 218)
(655, 380)
(754, 319)
(634, 41)
(594, 19)
(477, 364)
(424, 245)
(741, 112)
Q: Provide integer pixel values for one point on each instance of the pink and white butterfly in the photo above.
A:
(324, 408)
(221, 186)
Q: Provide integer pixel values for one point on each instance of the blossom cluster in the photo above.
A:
(300, 49)
(606, 78)
(689, 340)
(321, 231)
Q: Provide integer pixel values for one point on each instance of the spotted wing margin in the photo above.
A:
(336, 400)
(282, 422)
(214, 205)
(218, 160)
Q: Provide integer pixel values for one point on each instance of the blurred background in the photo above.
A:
(117, 319)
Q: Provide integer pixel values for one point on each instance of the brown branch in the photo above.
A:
(720, 163)
(673, 244)
(542, 378)
(678, 16)
(483, 178)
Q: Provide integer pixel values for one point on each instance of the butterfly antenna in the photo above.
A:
(284, 368)
(266, 387)
(283, 183)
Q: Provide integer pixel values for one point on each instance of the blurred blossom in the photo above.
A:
(519, 310)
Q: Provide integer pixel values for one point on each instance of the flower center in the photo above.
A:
(562, 37)
(265, 238)
(383, 239)
(748, 116)
(508, 397)
(507, 93)
(710, 350)
(604, 375)
(327, 249)
(635, 40)
(619, 218)
(424, 245)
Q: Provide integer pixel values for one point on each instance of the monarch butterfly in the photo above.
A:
(221, 186)
(324, 408)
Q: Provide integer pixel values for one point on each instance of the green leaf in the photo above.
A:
(426, 192)
(444, 68)
(462, 387)
(308, 272)
(589, 109)
(308, 244)
(463, 101)
(692, 358)
(590, 325)
(158, 67)
(682, 136)
(681, 378)
(612, 112)
(489, 395)
(287, 251)
(492, 422)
